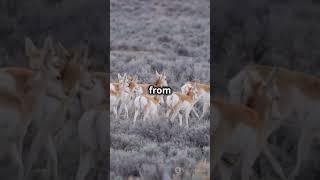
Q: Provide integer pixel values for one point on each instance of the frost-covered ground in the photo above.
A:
(171, 36)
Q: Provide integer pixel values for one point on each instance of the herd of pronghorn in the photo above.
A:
(128, 94)
(59, 86)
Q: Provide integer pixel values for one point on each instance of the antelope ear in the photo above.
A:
(48, 42)
(48, 45)
(30, 48)
(135, 77)
(63, 50)
(119, 76)
(164, 76)
(157, 74)
(74, 56)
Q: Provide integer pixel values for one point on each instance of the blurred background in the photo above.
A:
(69, 21)
(271, 32)
(278, 33)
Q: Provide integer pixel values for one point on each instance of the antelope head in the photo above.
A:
(76, 69)
(51, 58)
(161, 79)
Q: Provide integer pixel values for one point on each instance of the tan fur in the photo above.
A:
(258, 102)
(153, 99)
(236, 114)
(116, 92)
(10, 100)
(231, 116)
(185, 97)
(184, 102)
(203, 87)
(263, 95)
(24, 104)
(132, 85)
(145, 86)
(21, 76)
(286, 79)
(70, 76)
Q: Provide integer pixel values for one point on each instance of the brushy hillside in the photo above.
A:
(272, 32)
(167, 36)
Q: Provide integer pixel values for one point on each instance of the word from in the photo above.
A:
(159, 90)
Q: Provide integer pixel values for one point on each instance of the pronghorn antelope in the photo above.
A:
(92, 127)
(18, 109)
(48, 125)
(127, 94)
(92, 131)
(240, 130)
(91, 96)
(19, 77)
(161, 80)
(114, 97)
(119, 80)
(15, 78)
(180, 101)
(299, 93)
(148, 105)
(203, 94)
(131, 90)
(119, 92)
